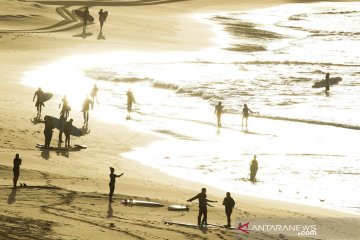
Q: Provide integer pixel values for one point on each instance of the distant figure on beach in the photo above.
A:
(229, 204)
(67, 132)
(48, 131)
(62, 125)
(130, 101)
(102, 18)
(65, 109)
(245, 114)
(86, 17)
(86, 109)
(39, 94)
(327, 84)
(16, 169)
(253, 169)
(113, 177)
(203, 203)
(93, 95)
(218, 112)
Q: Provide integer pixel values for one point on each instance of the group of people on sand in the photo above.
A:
(86, 16)
(219, 108)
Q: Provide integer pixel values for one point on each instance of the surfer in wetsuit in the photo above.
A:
(93, 95)
(86, 17)
(218, 112)
(229, 204)
(16, 169)
(130, 101)
(327, 84)
(39, 94)
(65, 109)
(203, 203)
(253, 168)
(102, 18)
(113, 177)
(48, 131)
(245, 114)
(86, 109)
(67, 132)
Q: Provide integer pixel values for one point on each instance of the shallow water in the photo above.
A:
(268, 58)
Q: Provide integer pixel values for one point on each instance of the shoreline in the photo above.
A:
(143, 181)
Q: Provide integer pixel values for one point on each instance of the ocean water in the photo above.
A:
(306, 141)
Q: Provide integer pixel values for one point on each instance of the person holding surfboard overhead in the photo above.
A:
(113, 177)
(86, 109)
(130, 101)
(203, 203)
(65, 107)
(327, 84)
(253, 169)
(39, 94)
(102, 18)
(218, 112)
(229, 204)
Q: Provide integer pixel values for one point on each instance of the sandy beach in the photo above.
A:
(67, 191)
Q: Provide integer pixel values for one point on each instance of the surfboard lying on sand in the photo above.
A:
(132, 202)
(81, 146)
(322, 83)
(178, 208)
(42, 146)
(81, 14)
(74, 130)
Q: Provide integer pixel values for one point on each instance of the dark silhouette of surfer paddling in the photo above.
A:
(229, 204)
(130, 101)
(16, 169)
(39, 94)
(253, 169)
(67, 132)
(65, 109)
(48, 131)
(86, 108)
(203, 203)
(218, 112)
(327, 84)
(245, 116)
(113, 177)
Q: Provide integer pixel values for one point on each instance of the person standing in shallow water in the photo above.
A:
(93, 95)
(86, 109)
(218, 112)
(202, 206)
(245, 117)
(253, 169)
(229, 204)
(16, 169)
(113, 177)
(327, 84)
(130, 101)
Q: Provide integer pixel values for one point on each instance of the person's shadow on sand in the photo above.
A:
(45, 154)
(12, 196)
(83, 35)
(109, 211)
(101, 36)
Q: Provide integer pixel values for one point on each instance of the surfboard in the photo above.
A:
(80, 14)
(81, 146)
(104, 16)
(77, 132)
(142, 203)
(47, 96)
(178, 208)
(42, 146)
(322, 83)
(182, 224)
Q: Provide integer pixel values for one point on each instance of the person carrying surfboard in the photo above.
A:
(16, 169)
(102, 18)
(327, 84)
(86, 109)
(113, 177)
(203, 203)
(85, 18)
(253, 169)
(39, 94)
(218, 111)
(229, 204)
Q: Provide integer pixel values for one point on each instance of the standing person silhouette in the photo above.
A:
(202, 206)
(86, 109)
(245, 117)
(130, 101)
(113, 177)
(16, 169)
(102, 18)
(48, 131)
(67, 132)
(39, 94)
(229, 204)
(93, 95)
(253, 169)
(86, 18)
(327, 84)
(65, 109)
(218, 112)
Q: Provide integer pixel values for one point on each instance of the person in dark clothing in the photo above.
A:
(62, 125)
(67, 132)
(39, 94)
(86, 17)
(16, 169)
(218, 112)
(203, 203)
(113, 177)
(130, 101)
(48, 131)
(65, 109)
(245, 114)
(253, 169)
(327, 84)
(93, 94)
(102, 18)
(229, 204)
(86, 109)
